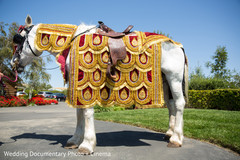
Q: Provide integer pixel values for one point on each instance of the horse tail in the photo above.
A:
(185, 78)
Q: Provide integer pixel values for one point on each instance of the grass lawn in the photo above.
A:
(215, 126)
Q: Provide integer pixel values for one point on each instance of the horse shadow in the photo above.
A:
(105, 139)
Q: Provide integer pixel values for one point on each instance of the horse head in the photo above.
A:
(24, 51)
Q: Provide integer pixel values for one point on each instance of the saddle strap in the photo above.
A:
(110, 33)
(118, 52)
(111, 71)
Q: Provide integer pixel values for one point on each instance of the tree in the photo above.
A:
(234, 81)
(198, 81)
(218, 67)
(222, 77)
(35, 76)
(6, 43)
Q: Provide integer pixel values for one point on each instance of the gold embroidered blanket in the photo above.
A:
(138, 81)
(54, 37)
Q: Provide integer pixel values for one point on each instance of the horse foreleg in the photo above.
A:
(89, 140)
(77, 138)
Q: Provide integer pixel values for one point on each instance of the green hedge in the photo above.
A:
(98, 109)
(225, 99)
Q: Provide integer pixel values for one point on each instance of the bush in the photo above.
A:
(11, 101)
(98, 109)
(202, 83)
(41, 101)
(117, 108)
(224, 99)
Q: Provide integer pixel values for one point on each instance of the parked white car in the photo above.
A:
(21, 93)
(45, 94)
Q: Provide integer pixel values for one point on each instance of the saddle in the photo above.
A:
(116, 46)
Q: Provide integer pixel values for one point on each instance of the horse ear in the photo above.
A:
(28, 21)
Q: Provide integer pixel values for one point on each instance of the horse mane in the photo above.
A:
(83, 27)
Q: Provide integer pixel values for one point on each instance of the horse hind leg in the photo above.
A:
(171, 107)
(177, 104)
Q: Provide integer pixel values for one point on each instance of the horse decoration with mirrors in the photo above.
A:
(108, 68)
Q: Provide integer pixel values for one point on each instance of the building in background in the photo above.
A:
(8, 88)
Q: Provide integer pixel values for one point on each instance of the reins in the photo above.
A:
(16, 74)
(84, 32)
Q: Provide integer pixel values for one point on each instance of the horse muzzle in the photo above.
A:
(20, 69)
(16, 66)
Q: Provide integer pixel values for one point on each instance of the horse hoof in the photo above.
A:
(173, 145)
(167, 137)
(71, 146)
(84, 151)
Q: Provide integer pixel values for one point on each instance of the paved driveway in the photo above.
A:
(40, 132)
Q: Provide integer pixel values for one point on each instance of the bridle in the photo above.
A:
(19, 40)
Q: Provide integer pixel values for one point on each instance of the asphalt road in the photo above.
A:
(40, 132)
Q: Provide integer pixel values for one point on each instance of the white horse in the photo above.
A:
(174, 68)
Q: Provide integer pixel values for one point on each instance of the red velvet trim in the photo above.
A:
(90, 90)
(132, 73)
(108, 90)
(145, 90)
(79, 103)
(120, 91)
(90, 55)
(43, 35)
(80, 75)
(149, 34)
(150, 102)
(82, 41)
(59, 37)
(129, 57)
(100, 36)
(99, 71)
(102, 57)
(62, 60)
(131, 39)
(149, 76)
(65, 53)
(117, 72)
(140, 58)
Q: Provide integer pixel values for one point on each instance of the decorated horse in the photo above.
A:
(104, 67)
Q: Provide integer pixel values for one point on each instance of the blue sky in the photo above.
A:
(200, 26)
